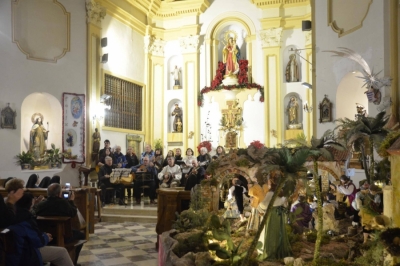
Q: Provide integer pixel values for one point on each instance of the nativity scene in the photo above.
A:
(200, 132)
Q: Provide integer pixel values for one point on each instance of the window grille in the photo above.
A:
(125, 102)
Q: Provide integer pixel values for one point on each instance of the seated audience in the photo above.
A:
(131, 161)
(107, 152)
(56, 205)
(193, 177)
(8, 179)
(146, 168)
(170, 175)
(147, 152)
(31, 242)
(187, 161)
(102, 152)
(220, 151)
(33, 181)
(119, 159)
(55, 180)
(204, 158)
(104, 181)
(158, 160)
(45, 182)
(15, 190)
(169, 154)
(304, 216)
(178, 157)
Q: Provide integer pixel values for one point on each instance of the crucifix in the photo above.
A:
(230, 114)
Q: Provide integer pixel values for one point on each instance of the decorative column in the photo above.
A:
(94, 14)
(190, 82)
(154, 71)
(309, 116)
(270, 41)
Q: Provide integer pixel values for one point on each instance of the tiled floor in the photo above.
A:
(121, 244)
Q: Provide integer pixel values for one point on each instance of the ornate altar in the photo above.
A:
(231, 121)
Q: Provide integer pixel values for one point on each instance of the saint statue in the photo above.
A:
(292, 111)
(38, 137)
(292, 70)
(176, 75)
(96, 141)
(178, 126)
(230, 57)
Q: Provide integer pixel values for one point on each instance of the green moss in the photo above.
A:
(195, 242)
(312, 237)
(242, 162)
(387, 142)
(372, 252)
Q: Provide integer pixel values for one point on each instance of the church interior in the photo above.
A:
(257, 78)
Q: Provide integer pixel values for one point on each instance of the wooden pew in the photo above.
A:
(84, 201)
(169, 202)
(60, 228)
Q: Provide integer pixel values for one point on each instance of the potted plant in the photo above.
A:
(53, 157)
(25, 160)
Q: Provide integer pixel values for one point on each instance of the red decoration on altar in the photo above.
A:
(243, 80)
(206, 144)
(257, 144)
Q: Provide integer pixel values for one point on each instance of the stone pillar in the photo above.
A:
(154, 93)
(392, 202)
(94, 14)
(271, 41)
(308, 56)
(190, 82)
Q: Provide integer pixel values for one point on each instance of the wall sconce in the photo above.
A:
(306, 25)
(103, 44)
(307, 108)
(306, 85)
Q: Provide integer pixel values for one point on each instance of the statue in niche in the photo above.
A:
(292, 110)
(176, 73)
(178, 125)
(230, 55)
(38, 137)
(96, 144)
(292, 70)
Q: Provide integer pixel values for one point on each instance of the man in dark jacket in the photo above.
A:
(56, 205)
(104, 181)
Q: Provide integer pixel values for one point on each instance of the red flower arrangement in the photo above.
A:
(206, 144)
(257, 144)
(242, 79)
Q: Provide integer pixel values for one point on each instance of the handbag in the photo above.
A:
(78, 222)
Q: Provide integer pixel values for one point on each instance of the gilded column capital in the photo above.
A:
(189, 44)
(270, 37)
(154, 46)
(308, 37)
(94, 12)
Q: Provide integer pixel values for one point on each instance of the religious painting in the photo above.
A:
(325, 110)
(231, 139)
(73, 127)
(8, 118)
(134, 142)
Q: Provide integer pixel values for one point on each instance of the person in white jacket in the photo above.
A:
(170, 175)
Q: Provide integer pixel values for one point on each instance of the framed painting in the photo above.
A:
(73, 132)
(325, 110)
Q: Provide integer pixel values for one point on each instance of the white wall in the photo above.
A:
(20, 77)
(369, 41)
(125, 48)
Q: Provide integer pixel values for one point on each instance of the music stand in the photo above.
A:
(144, 177)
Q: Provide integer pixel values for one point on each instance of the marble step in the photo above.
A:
(130, 210)
(117, 218)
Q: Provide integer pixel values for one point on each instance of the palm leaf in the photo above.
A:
(326, 154)
(352, 55)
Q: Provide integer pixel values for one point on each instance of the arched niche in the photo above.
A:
(227, 21)
(286, 53)
(349, 93)
(299, 111)
(48, 106)
(170, 109)
(174, 61)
